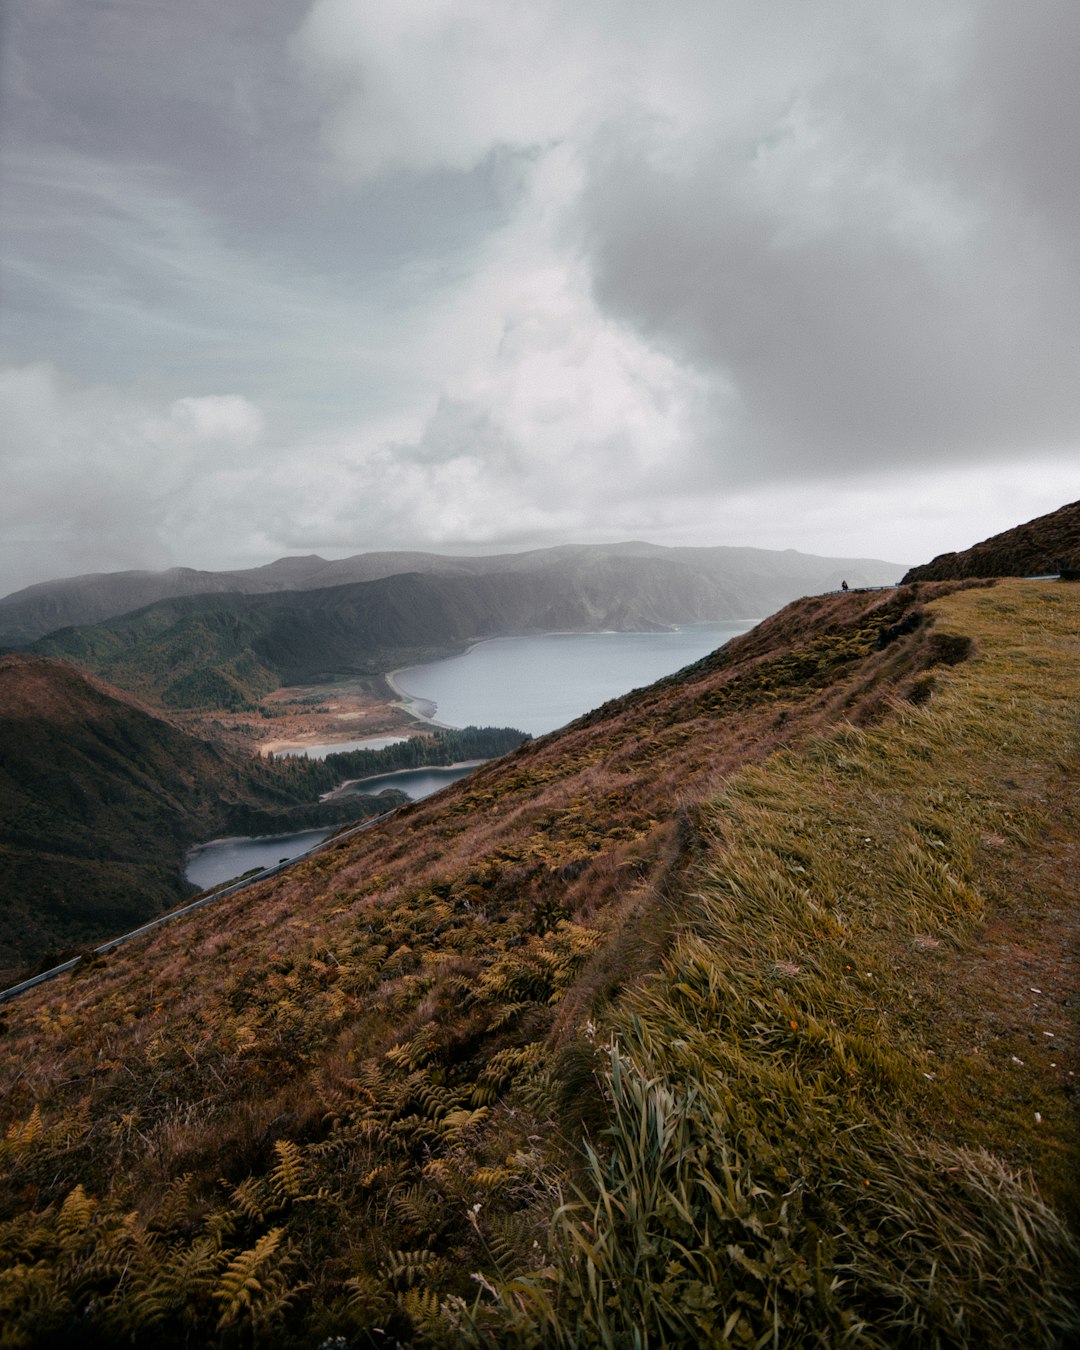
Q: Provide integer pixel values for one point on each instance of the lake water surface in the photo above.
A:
(210, 864)
(416, 783)
(223, 859)
(539, 683)
(533, 683)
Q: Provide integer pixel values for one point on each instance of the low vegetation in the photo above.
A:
(182, 654)
(102, 799)
(774, 1170)
(684, 1026)
(1039, 547)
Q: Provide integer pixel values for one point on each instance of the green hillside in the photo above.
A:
(183, 654)
(738, 1012)
(229, 650)
(102, 799)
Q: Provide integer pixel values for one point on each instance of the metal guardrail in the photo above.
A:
(16, 989)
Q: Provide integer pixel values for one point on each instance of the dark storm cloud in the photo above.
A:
(922, 308)
(204, 89)
(1023, 80)
(166, 216)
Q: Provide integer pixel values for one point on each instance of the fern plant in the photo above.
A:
(253, 1288)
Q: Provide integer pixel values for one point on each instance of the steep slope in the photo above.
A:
(740, 582)
(765, 932)
(1041, 546)
(101, 799)
(36, 610)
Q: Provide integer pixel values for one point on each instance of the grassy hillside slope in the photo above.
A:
(1039, 546)
(787, 939)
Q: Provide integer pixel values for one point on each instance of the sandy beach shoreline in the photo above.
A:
(420, 708)
(401, 705)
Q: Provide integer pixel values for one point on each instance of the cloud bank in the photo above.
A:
(333, 276)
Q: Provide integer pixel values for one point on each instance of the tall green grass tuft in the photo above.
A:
(749, 1210)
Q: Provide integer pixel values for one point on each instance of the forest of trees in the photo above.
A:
(439, 748)
(442, 747)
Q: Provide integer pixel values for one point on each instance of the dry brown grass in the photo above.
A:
(410, 1007)
(817, 1128)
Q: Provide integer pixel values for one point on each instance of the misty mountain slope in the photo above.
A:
(734, 565)
(1040, 546)
(748, 581)
(225, 650)
(763, 933)
(30, 613)
(101, 799)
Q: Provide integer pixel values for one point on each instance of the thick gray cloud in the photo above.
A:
(889, 276)
(325, 275)
(166, 220)
(1021, 78)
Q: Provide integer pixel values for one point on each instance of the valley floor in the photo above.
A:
(302, 715)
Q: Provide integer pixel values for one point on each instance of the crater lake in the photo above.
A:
(533, 683)
(540, 683)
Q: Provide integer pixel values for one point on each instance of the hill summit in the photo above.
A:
(1041, 546)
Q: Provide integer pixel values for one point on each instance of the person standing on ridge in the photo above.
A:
(843, 585)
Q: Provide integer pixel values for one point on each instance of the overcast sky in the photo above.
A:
(294, 276)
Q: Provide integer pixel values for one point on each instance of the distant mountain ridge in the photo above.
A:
(229, 650)
(748, 581)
